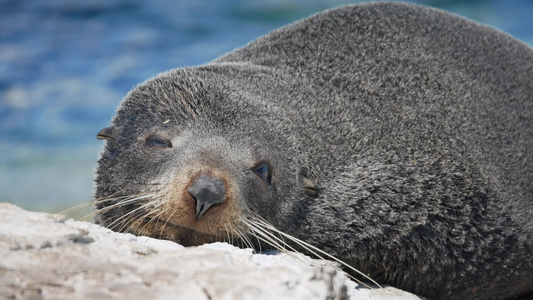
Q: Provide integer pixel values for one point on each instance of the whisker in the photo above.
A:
(244, 239)
(153, 217)
(166, 222)
(112, 197)
(312, 249)
(230, 238)
(90, 203)
(76, 207)
(122, 219)
(286, 247)
(129, 199)
(94, 213)
(132, 218)
(271, 239)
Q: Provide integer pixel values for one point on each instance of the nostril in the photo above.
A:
(207, 191)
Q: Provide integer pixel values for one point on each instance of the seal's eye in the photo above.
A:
(154, 141)
(262, 170)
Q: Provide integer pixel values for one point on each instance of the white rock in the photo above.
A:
(46, 256)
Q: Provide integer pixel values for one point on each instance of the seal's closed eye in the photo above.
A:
(155, 141)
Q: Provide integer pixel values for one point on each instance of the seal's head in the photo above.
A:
(183, 163)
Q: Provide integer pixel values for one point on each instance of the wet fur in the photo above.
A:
(415, 127)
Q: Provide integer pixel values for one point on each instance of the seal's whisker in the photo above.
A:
(262, 236)
(271, 239)
(153, 216)
(87, 216)
(119, 198)
(94, 213)
(122, 220)
(76, 207)
(157, 216)
(137, 218)
(228, 236)
(248, 241)
(244, 239)
(99, 211)
(268, 237)
(314, 250)
(114, 198)
(265, 229)
(300, 258)
(164, 226)
(256, 237)
(233, 234)
(124, 200)
(92, 203)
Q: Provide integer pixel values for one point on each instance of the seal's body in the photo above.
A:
(395, 137)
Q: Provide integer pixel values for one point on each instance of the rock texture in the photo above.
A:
(48, 256)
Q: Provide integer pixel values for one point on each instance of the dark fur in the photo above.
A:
(415, 125)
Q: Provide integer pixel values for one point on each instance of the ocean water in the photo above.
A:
(65, 65)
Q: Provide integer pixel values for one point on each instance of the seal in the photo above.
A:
(395, 137)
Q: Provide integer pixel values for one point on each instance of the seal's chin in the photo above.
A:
(176, 233)
(189, 237)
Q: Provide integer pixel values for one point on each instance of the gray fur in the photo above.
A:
(415, 125)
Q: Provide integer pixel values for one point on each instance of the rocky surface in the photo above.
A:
(48, 256)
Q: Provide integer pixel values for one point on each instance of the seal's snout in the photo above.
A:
(207, 191)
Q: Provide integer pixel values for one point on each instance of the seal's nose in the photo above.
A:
(207, 191)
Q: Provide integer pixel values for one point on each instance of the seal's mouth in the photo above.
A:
(183, 235)
(179, 228)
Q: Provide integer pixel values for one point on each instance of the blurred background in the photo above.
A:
(66, 64)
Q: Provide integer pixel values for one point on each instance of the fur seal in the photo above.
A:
(396, 137)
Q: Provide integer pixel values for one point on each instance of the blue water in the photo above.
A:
(65, 65)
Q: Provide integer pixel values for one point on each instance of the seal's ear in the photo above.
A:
(108, 133)
(308, 186)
